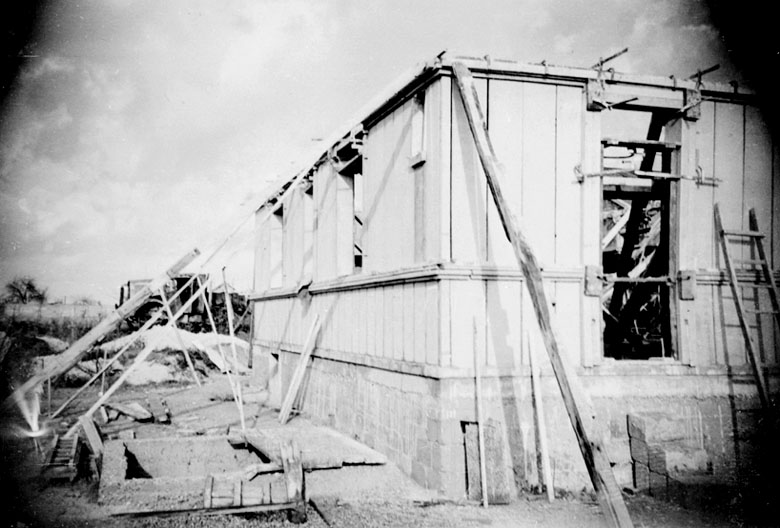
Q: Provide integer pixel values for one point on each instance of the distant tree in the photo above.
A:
(24, 290)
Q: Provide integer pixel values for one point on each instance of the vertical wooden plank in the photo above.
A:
(758, 195)
(706, 352)
(374, 312)
(504, 322)
(469, 189)
(420, 321)
(592, 351)
(375, 154)
(700, 220)
(773, 244)
(444, 175)
(398, 322)
(681, 131)
(567, 313)
(407, 300)
(380, 325)
(389, 210)
(348, 320)
(325, 196)
(468, 306)
(437, 169)
(568, 154)
(432, 322)
(506, 131)
(445, 323)
(728, 165)
(538, 185)
(367, 326)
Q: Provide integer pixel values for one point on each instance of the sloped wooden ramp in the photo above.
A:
(321, 447)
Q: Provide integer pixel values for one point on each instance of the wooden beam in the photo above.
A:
(68, 359)
(574, 398)
(93, 437)
(541, 424)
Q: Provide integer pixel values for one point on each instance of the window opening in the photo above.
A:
(348, 160)
(638, 222)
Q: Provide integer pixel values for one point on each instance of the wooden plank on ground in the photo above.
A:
(92, 434)
(576, 402)
(134, 410)
(295, 382)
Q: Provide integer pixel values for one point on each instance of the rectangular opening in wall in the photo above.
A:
(348, 161)
(638, 240)
(499, 487)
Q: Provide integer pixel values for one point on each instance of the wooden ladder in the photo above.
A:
(756, 238)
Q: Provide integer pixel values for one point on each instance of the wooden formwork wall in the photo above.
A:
(440, 212)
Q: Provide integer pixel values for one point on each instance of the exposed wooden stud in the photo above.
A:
(575, 400)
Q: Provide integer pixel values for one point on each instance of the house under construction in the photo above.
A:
(393, 239)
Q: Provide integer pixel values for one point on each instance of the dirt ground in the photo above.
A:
(355, 496)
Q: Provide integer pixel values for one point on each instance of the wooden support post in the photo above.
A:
(541, 425)
(239, 400)
(300, 369)
(68, 359)
(229, 309)
(480, 422)
(574, 398)
(293, 476)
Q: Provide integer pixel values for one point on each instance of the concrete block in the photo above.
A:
(619, 451)
(658, 485)
(676, 458)
(419, 473)
(641, 476)
(623, 474)
(656, 427)
(433, 430)
(638, 449)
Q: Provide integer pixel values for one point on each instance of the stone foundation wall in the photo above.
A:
(420, 422)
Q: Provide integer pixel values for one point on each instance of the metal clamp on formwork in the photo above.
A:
(595, 90)
(691, 111)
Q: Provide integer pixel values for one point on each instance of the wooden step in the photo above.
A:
(754, 234)
(640, 143)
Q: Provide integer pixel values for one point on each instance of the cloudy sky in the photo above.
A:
(136, 130)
